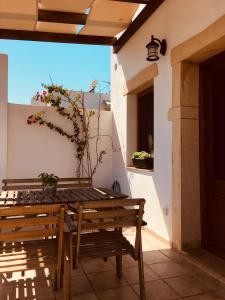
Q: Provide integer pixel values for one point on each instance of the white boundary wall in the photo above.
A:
(33, 149)
(176, 21)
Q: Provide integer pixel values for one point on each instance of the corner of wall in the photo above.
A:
(3, 114)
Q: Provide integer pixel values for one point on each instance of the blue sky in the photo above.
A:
(73, 66)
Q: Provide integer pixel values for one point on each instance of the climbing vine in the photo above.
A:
(79, 116)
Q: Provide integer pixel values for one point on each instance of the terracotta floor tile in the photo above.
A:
(188, 285)
(26, 290)
(127, 261)
(106, 280)
(210, 282)
(80, 284)
(152, 257)
(222, 291)
(96, 265)
(41, 289)
(12, 276)
(8, 291)
(122, 293)
(181, 278)
(86, 296)
(207, 296)
(208, 260)
(78, 271)
(132, 275)
(158, 290)
(38, 273)
(173, 254)
(149, 242)
(174, 269)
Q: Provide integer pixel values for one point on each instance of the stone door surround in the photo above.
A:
(184, 114)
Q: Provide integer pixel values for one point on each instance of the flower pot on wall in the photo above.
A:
(143, 163)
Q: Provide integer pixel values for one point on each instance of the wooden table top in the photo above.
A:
(63, 196)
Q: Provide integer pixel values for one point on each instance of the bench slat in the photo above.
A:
(35, 183)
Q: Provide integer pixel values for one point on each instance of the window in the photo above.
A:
(145, 121)
(139, 91)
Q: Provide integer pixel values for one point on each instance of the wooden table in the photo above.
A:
(63, 196)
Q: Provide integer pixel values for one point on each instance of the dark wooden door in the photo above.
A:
(212, 152)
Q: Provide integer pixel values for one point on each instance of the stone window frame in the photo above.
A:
(131, 89)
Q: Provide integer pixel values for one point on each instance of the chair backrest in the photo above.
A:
(110, 214)
(35, 183)
(15, 220)
(35, 217)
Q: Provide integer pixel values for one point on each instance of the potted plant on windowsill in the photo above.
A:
(49, 183)
(142, 160)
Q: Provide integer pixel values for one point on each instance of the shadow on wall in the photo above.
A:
(146, 185)
(155, 186)
(119, 167)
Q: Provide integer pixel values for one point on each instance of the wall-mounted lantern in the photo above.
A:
(155, 47)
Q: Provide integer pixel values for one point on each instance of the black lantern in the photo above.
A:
(153, 48)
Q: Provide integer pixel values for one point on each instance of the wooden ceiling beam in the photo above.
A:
(147, 11)
(56, 37)
(61, 17)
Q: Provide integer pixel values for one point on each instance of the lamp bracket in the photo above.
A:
(163, 47)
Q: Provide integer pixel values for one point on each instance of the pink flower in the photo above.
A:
(44, 93)
(37, 93)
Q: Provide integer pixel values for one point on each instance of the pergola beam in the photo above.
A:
(56, 37)
(147, 11)
(61, 17)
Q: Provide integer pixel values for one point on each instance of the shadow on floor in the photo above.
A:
(168, 275)
(208, 262)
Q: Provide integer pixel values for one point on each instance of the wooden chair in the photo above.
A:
(35, 183)
(99, 233)
(33, 240)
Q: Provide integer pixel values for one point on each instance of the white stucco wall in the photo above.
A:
(91, 100)
(33, 149)
(176, 21)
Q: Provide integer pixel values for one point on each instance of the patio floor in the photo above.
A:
(168, 276)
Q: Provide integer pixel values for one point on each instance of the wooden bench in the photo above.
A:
(35, 183)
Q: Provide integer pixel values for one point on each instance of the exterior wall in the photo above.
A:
(176, 21)
(3, 114)
(91, 100)
(33, 149)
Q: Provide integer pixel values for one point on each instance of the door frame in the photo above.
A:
(202, 158)
(184, 114)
